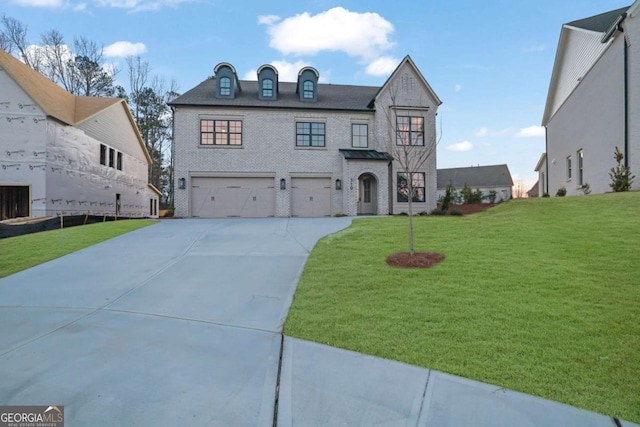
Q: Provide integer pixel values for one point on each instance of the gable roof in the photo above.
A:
(330, 97)
(407, 60)
(475, 177)
(57, 102)
(598, 23)
(589, 48)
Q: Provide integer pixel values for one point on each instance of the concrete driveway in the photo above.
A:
(180, 324)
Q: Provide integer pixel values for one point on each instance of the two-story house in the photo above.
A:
(273, 148)
(62, 154)
(593, 103)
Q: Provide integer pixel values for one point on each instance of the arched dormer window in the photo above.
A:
(307, 89)
(225, 86)
(267, 88)
(268, 83)
(227, 83)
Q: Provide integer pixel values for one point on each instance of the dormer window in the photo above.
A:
(225, 86)
(307, 89)
(267, 88)
(227, 83)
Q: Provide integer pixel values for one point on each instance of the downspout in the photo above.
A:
(617, 27)
(546, 160)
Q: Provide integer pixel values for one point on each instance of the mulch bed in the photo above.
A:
(468, 209)
(417, 260)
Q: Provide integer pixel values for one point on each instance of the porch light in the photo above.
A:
(338, 184)
(182, 183)
(283, 184)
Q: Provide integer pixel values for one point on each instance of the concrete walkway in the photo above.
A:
(180, 324)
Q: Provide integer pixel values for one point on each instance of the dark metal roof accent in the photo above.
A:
(330, 97)
(599, 23)
(475, 177)
(365, 155)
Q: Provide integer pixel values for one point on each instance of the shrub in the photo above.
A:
(492, 196)
(586, 189)
(456, 212)
(561, 192)
(423, 213)
(448, 197)
(621, 177)
(437, 211)
(545, 195)
(339, 215)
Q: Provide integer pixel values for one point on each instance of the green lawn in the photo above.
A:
(22, 252)
(540, 296)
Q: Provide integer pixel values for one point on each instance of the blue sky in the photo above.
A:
(490, 62)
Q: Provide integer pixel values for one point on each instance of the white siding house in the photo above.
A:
(63, 154)
(269, 148)
(593, 103)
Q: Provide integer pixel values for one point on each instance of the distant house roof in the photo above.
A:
(57, 102)
(330, 97)
(475, 177)
(365, 155)
(599, 23)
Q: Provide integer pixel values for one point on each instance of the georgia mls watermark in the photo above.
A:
(32, 416)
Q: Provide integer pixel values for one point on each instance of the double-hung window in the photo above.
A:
(310, 134)
(267, 88)
(417, 184)
(220, 132)
(225, 86)
(307, 89)
(580, 164)
(569, 172)
(359, 135)
(409, 130)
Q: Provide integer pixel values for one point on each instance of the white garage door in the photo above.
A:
(311, 197)
(232, 197)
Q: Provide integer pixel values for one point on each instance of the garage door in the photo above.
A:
(232, 197)
(311, 197)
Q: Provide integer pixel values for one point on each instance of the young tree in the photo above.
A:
(412, 145)
(621, 178)
(14, 40)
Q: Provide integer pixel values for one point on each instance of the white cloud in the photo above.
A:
(139, 5)
(362, 35)
(287, 71)
(485, 132)
(122, 49)
(268, 19)
(38, 3)
(383, 66)
(80, 7)
(460, 146)
(457, 88)
(531, 131)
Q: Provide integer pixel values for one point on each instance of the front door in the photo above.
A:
(366, 195)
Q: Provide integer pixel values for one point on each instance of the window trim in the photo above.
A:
(569, 169)
(119, 160)
(269, 89)
(103, 154)
(225, 86)
(580, 156)
(360, 136)
(310, 134)
(415, 136)
(213, 132)
(306, 92)
(112, 158)
(423, 187)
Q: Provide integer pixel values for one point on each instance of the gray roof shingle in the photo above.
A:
(599, 23)
(475, 177)
(330, 97)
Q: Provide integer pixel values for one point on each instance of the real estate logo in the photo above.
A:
(32, 416)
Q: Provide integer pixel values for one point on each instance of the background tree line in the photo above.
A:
(82, 69)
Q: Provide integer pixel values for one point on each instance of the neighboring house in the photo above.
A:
(486, 178)
(271, 148)
(66, 154)
(593, 104)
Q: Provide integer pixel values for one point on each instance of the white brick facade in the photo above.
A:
(269, 147)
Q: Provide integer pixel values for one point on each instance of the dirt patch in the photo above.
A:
(417, 260)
